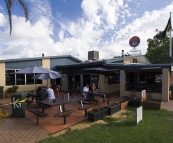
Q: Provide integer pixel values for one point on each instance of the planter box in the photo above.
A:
(97, 116)
(134, 103)
(113, 109)
(124, 105)
(152, 105)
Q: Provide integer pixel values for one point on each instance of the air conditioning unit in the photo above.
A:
(93, 55)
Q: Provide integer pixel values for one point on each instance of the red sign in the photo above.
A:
(134, 41)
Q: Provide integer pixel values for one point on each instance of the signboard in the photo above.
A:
(134, 41)
(143, 95)
(139, 114)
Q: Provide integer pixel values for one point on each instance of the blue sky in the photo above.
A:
(74, 27)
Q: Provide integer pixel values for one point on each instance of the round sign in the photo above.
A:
(134, 41)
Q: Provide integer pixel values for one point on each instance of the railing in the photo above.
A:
(139, 87)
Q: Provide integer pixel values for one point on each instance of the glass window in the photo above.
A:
(114, 79)
(95, 80)
(38, 81)
(20, 79)
(29, 79)
(10, 77)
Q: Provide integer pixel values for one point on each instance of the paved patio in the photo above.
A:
(23, 130)
(26, 130)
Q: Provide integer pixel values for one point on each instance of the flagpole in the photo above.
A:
(170, 48)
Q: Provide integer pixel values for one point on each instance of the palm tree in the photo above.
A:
(10, 4)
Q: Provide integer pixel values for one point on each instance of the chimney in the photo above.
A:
(122, 53)
(42, 54)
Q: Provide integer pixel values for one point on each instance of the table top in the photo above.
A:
(60, 101)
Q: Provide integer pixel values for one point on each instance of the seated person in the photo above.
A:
(41, 95)
(50, 93)
(93, 88)
(56, 88)
(86, 92)
(38, 90)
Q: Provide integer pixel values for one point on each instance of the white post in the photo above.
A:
(170, 48)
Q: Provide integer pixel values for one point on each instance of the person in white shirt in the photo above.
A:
(50, 93)
(86, 92)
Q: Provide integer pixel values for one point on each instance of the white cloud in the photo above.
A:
(103, 27)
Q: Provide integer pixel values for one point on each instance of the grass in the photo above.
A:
(156, 127)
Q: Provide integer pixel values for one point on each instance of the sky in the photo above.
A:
(74, 27)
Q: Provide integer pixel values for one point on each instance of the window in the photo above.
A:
(29, 79)
(19, 79)
(114, 79)
(144, 77)
(10, 77)
(94, 79)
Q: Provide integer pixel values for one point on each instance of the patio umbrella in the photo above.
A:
(33, 69)
(100, 70)
(46, 76)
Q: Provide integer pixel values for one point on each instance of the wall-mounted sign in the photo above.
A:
(121, 77)
(134, 41)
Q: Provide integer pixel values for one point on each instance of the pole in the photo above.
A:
(170, 48)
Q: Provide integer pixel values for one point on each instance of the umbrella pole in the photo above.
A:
(36, 86)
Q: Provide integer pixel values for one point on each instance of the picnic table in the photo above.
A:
(59, 102)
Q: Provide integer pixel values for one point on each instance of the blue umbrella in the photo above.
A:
(33, 69)
(46, 76)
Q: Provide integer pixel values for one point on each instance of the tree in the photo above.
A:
(10, 4)
(158, 49)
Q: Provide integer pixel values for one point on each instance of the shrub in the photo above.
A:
(95, 110)
(12, 89)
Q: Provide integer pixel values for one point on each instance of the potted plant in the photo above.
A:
(113, 108)
(135, 102)
(11, 90)
(156, 105)
(96, 114)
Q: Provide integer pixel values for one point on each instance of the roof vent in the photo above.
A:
(93, 55)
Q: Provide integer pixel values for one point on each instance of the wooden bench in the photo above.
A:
(64, 114)
(37, 113)
(95, 101)
(84, 108)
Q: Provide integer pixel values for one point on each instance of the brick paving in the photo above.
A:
(168, 105)
(21, 130)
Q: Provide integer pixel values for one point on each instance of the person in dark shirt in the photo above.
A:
(54, 87)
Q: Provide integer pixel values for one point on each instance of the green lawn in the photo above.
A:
(156, 127)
